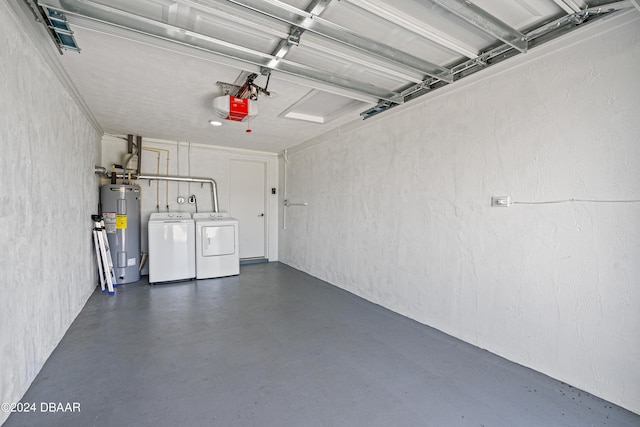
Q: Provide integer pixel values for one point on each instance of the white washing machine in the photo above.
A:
(171, 247)
(217, 253)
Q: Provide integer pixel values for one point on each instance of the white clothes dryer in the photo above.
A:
(171, 247)
(217, 253)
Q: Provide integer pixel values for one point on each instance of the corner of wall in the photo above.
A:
(49, 150)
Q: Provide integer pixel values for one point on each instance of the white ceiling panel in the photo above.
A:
(236, 33)
(320, 107)
(427, 14)
(383, 30)
(158, 9)
(522, 14)
(318, 44)
(333, 64)
(152, 67)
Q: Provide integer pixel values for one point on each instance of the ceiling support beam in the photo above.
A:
(397, 72)
(315, 9)
(338, 50)
(565, 6)
(281, 11)
(387, 11)
(229, 15)
(109, 20)
(485, 22)
(537, 36)
(581, 17)
(571, 6)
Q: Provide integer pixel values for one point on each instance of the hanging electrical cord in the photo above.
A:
(178, 164)
(166, 196)
(574, 200)
(266, 86)
(189, 171)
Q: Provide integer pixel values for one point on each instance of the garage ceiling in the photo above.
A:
(153, 67)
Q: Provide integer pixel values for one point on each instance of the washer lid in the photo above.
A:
(169, 216)
(212, 215)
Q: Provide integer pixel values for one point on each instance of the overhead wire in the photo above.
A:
(547, 202)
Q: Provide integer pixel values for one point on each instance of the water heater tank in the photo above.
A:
(121, 213)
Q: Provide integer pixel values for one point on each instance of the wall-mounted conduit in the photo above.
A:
(99, 170)
(158, 151)
(132, 174)
(210, 181)
(287, 203)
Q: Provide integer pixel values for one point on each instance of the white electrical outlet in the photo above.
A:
(500, 201)
(192, 199)
(180, 200)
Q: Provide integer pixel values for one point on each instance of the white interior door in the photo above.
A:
(247, 203)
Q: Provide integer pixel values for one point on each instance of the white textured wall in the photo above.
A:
(197, 160)
(399, 211)
(48, 191)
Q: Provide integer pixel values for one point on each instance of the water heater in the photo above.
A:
(121, 213)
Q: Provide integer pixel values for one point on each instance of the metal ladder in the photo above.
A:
(103, 255)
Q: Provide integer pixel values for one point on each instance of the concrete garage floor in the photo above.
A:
(277, 347)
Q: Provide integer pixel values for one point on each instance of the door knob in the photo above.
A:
(261, 214)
